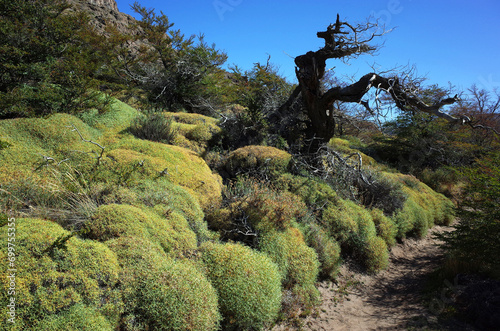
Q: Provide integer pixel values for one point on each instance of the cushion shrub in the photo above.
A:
(51, 279)
(257, 159)
(298, 264)
(113, 221)
(247, 282)
(77, 318)
(160, 293)
(327, 248)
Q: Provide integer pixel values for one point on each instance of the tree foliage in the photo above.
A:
(172, 68)
(475, 240)
(49, 56)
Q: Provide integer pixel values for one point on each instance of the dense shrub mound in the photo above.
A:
(257, 160)
(247, 282)
(194, 131)
(161, 293)
(78, 317)
(180, 165)
(298, 264)
(58, 282)
(172, 234)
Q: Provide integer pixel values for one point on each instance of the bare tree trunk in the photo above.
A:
(339, 44)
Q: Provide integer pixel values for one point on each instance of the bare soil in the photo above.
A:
(389, 300)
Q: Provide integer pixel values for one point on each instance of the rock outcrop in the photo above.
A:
(103, 13)
(105, 3)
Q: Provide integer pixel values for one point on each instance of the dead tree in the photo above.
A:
(344, 41)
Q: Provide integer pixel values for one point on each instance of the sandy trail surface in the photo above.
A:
(390, 300)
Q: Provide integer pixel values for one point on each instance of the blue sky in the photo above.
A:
(454, 41)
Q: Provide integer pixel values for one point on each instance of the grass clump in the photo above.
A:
(247, 282)
(154, 126)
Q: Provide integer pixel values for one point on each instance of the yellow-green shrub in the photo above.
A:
(114, 221)
(179, 165)
(386, 228)
(162, 294)
(165, 197)
(312, 191)
(178, 297)
(247, 282)
(327, 248)
(78, 317)
(376, 254)
(298, 264)
(340, 221)
(260, 207)
(30, 138)
(194, 131)
(50, 280)
(422, 209)
(116, 119)
(257, 159)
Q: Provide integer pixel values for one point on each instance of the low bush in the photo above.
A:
(153, 126)
(386, 228)
(376, 254)
(251, 207)
(160, 293)
(165, 197)
(51, 279)
(195, 131)
(298, 264)
(78, 317)
(341, 222)
(257, 161)
(178, 297)
(327, 248)
(178, 165)
(115, 221)
(247, 282)
(312, 191)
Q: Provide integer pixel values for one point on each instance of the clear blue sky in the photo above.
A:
(454, 41)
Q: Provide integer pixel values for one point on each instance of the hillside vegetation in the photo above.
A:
(195, 209)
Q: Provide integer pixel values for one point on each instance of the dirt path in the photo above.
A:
(390, 300)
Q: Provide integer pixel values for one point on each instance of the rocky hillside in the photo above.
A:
(103, 13)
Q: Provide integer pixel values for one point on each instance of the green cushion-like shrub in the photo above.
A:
(340, 221)
(327, 249)
(247, 282)
(77, 318)
(51, 279)
(376, 254)
(298, 263)
(113, 221)
(160, 293)
(178, 297)
(386, 228)
(257, 159)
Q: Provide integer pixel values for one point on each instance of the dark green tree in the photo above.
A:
(49, 55)
(475, 240)
(173, 69)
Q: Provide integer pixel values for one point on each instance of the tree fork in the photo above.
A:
(310, 69)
